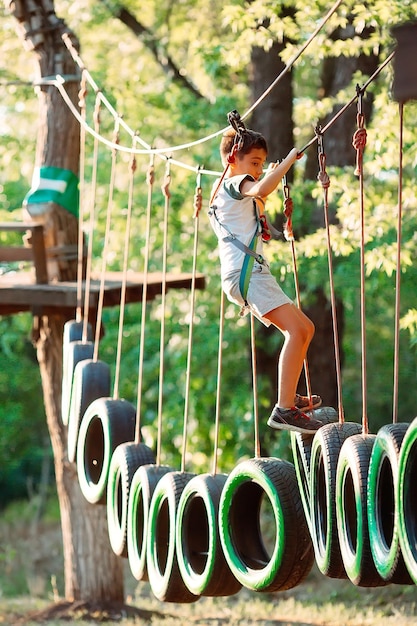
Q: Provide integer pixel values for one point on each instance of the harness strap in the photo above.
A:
(249, 250)
(247, 266)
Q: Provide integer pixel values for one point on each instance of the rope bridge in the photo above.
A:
(346, 499)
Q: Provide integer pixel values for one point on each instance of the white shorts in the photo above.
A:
(264, 293)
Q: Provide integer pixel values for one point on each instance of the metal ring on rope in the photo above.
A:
(351, 511)
(106, 424)
(382, 505)
(258, 489)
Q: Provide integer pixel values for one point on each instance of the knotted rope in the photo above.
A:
(359, 137)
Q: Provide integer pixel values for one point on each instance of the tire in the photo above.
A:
(74, 352)
(106, 424)
(163, 572)
(406, 500)
(381, 505)
(301, 451)
(351, 511)
(290, 556)
(325, 451)
(125, 461)
(73, 333)
(201, 561)
(143, 485)
(91, 381)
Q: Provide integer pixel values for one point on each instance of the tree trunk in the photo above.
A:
(273, 116)
(92, 571)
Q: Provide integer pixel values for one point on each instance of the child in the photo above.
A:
(236, 216)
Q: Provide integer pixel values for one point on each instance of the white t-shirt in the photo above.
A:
(233, 213)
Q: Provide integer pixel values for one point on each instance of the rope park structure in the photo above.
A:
(344, 502)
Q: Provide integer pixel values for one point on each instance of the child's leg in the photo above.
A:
(298, 331)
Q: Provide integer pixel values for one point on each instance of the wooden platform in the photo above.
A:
(19, 291)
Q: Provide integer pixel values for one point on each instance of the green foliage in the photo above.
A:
(23, 432)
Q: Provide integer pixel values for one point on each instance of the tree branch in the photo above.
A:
(152, 43)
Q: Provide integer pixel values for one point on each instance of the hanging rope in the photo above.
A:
(92, 220)
(106, 245)
(289, 236)
(167, 194)
(219, 381)
(150, 179)
(398, 270)
(359, 142)
(198, 203)
(255, 387)
(80, 256)
(324, 179)
(132, 170)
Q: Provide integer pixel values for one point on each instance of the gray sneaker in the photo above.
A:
(293, 419)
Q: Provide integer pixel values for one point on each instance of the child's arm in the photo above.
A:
(262, 188)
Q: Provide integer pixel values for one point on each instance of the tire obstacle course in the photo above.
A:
(345, 502)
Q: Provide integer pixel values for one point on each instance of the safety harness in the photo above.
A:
(250, 251)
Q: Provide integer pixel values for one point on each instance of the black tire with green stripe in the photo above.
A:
(200, 555)
(351, 511)
(125, 461)
(143, 485)
(406, 499)
(325, 451)
(382, 505)
(74, 350)
(106, 424)
(261, 558)
(91, 381)
(161, 556)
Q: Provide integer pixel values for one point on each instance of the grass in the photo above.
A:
(31, 580)
(319, 601)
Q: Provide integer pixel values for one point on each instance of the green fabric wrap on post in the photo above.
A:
(54, 184)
